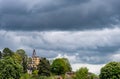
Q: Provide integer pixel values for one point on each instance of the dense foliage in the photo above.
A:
(69, 68)
(60, 66)
(110, 71)
(82, 73)
(44, 67)
(10, 69)
(7, 52)
(23, 57)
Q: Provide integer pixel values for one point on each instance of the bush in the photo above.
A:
(35, 73)
(110, 71)
(25, 76)
(82, 73)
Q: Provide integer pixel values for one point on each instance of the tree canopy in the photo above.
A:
(110, 71)
(60, 66)
(69, 68)
(44, 67)
(82, 73)
(21, 52)
(23, 55)
(9, 69)
(7, 52)
(17, 58)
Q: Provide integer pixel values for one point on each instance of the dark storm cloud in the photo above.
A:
(56, 5)
(58, 14)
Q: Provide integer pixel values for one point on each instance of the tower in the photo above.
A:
(34, 53)
(35, 59)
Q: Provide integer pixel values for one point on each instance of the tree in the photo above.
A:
(60, 66)
(110, 71)
(24, 64)
(17, 58)
(44, 67)
(29, 60)
(82, 73)
(10, 69)
(7, 52)
(21, 52)
(23, 55)
(69, 68)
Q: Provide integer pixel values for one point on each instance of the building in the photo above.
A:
(35, 60)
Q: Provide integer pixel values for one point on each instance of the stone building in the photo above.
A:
(35, 60)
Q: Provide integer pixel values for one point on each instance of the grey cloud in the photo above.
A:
(56, 5)
(12, 7)
(84, 46)
(58, 15)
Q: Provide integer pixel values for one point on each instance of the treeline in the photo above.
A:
(14, 65)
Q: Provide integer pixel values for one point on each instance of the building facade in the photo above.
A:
(35, 60)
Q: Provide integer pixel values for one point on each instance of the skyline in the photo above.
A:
(85, 31)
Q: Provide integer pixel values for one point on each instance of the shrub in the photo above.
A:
(25, 76)
(82, 73)
(35, 73)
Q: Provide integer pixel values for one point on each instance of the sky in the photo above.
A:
(84, 31)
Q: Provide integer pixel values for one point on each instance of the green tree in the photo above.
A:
(110, 71)
(21, 52)
(69, 68)
(60, 66)
(10, 69)
(24, 64)
(7, 52)
(44, 67)
(17, 58)
(82, 73)
(23, 55)
(29, 60)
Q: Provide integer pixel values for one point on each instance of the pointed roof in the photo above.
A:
(34, 53)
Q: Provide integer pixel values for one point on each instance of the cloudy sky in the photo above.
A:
(84, 31)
